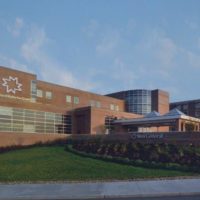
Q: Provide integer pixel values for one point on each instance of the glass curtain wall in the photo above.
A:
(197, 110)
(31, 121)
(138, 101)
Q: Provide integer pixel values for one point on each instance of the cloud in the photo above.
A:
(165, 51)
(122, 58)
(121, 72)
(194, 59)
(198, 42)
(162, 48)
(91, 29)
(131, 26)
(16, 27)
(150, 60)
(159, 53)
(32, 49)
(108, 43)
(170, 56)
(192, 24)
(12, 63)
(35, 51)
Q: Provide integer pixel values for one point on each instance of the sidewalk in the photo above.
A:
(149, 188)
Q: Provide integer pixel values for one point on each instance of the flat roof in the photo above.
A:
(168, 118)
(187, 101)
(17, 70)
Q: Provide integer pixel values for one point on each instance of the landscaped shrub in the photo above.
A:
(187, 155)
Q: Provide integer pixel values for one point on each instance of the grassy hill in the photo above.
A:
(55, 164)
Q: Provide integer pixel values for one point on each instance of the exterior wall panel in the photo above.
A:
(22, 78)
(160, 101)
(191, 108)
(17, 93)
(36, 106)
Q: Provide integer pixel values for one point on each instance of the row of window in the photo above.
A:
(114, 107)
(138, 92)
(24, 120)
(47, 94)
(76, 100)
(69, 99)
(94, 103)
(186, 106)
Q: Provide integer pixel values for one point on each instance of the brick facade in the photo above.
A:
(87, 111)
(88, 114)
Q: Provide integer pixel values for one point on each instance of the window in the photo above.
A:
(197, 110)
(68, 124)
(68, 99)
(25, 120)
(112, 106)
(197, 105)
(92, 103)
(33, 90)
(117, 108)
(58, 119)
(49, 95)
(39, 93)
(76, 100)
(109, 123)
(49, 116)
(98, 104)
(6, 111)
(185, 107)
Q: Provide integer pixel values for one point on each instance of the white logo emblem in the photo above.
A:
(12, 84)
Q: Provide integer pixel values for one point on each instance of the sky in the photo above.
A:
(105, 46)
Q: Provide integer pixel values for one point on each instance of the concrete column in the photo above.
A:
(178, 125)
(196, 127)
(183, 126)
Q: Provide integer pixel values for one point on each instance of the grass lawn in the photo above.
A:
(54, 163)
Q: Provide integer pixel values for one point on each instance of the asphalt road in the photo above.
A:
(156, 198)
(168, 198)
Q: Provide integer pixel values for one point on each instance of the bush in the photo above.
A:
(139, 163)
(148, 153)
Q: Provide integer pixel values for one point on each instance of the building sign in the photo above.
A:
(12, 84)
(147, 136)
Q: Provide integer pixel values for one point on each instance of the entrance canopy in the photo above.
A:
(154, 119)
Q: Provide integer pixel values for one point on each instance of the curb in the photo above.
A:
(111, 190)
(103, 196)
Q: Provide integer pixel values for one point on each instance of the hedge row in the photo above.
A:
(159, 153)
(137, 163)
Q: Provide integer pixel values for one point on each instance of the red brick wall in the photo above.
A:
(57, 103)
(60, 92)
(98, 118)
(23, 78)
(160, 101)
(9, 139)
(94, 119)
(82, 121)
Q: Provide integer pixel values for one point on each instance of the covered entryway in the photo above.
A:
(174, 120)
